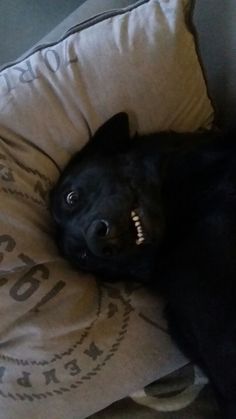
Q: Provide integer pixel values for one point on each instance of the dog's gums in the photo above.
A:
(139, 228)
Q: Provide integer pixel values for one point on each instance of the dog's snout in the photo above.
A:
(99, 238)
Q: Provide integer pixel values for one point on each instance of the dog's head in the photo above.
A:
(107, 204)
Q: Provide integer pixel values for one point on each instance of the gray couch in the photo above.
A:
(214, 22)
(215, 32)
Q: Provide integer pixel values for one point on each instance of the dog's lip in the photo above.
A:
(139, 226)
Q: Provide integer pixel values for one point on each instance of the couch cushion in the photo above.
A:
(86, 11)
(69, 345)
(215, 24)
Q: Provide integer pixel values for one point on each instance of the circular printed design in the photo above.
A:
(80, 362)
(67, 326)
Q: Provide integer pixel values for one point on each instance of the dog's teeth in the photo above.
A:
(140, 237)
(140, 241)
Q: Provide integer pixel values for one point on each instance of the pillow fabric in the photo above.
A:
(69, 345)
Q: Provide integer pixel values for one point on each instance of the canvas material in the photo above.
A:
(69, 345)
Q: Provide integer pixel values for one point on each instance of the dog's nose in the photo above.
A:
(100, 228)
(99, 238)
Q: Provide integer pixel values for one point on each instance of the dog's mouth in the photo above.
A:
(113, 246)
(139, 228)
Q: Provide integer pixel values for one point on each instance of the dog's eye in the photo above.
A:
(72, 198)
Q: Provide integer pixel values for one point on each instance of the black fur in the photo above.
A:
(183, 186)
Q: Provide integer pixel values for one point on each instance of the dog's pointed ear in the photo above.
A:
(113, 132)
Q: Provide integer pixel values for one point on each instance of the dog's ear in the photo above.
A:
(113, 132)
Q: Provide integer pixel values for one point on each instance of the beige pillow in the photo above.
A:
(71, 346)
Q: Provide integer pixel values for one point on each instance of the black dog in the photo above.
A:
(161, 209)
